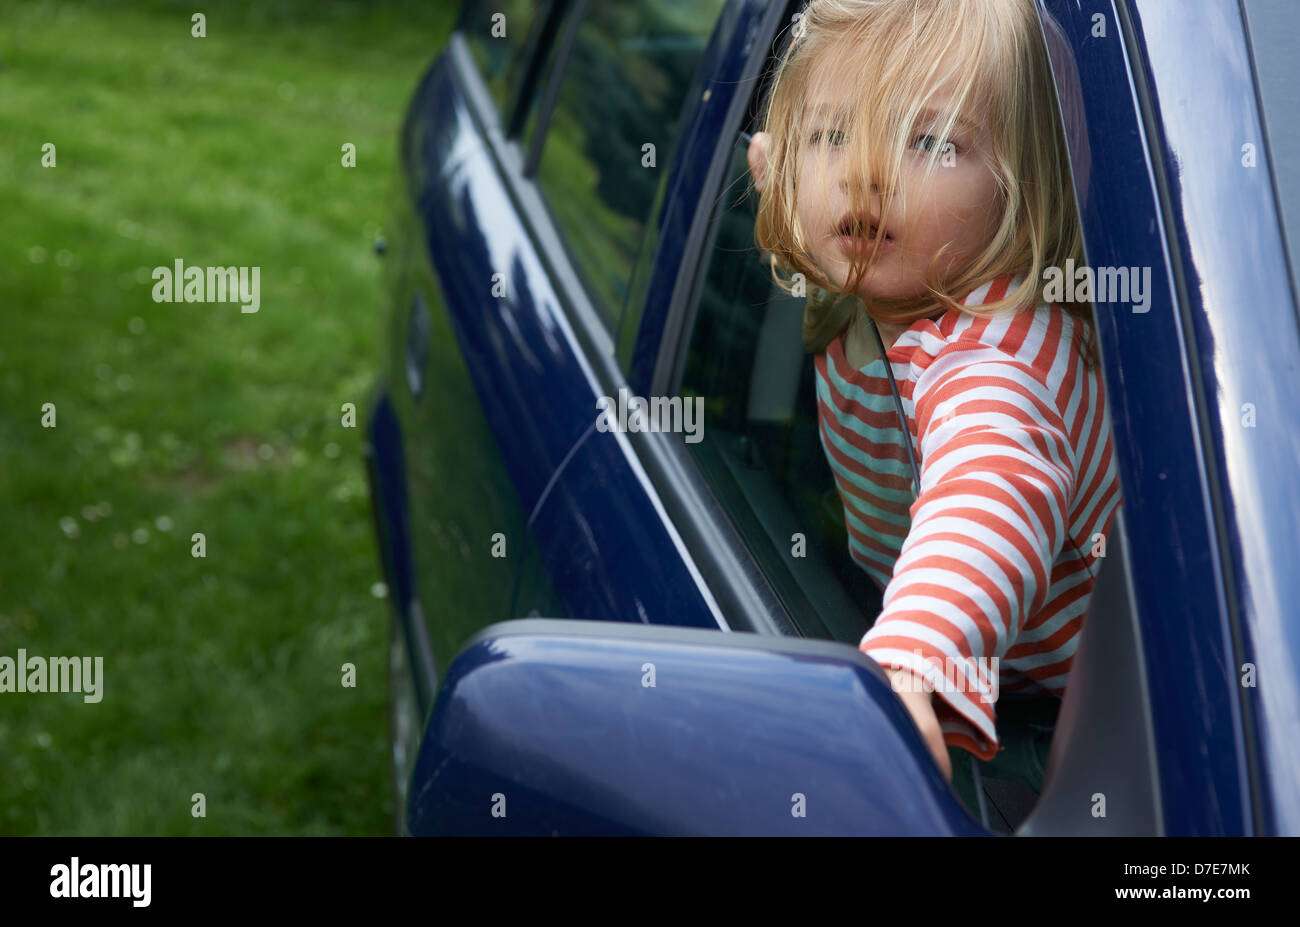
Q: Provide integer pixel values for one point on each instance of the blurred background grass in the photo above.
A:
(221, 675)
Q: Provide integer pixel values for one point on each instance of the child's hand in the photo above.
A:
(758, 158)
(912, 689)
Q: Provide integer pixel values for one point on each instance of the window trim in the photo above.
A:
(511, 112)
(567, 29)
(542, 33)
(554, 80)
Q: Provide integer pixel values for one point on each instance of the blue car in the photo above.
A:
(621, 630)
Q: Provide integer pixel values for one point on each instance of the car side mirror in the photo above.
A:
(558, 727)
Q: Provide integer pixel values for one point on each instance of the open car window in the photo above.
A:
(764, 454)
(761, 452)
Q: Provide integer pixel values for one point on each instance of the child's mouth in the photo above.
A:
(857, 237)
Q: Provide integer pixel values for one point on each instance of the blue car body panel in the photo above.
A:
(1211, 509)
(1221, 331)
(1244, 325)
(1163, 480)
(528, 379)
(390, 505)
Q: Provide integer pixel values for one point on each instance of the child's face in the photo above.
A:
(958, 207)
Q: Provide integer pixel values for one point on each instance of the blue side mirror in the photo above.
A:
(568, 727)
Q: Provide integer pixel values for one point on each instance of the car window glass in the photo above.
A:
(497, 33)
(612, 129)
(1274, 27)
(762, 447)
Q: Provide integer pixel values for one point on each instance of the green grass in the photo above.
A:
(221, 675)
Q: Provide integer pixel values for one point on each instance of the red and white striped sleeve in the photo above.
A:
(997, 476)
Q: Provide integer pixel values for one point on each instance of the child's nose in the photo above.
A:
(847, 185)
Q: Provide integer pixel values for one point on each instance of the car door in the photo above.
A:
(622, 128)
(527, 186)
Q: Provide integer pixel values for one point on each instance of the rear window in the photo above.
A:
(623, 89)
(497, 34)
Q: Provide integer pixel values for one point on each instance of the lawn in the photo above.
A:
(222, 675)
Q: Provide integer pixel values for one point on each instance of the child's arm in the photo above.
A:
(998, 471)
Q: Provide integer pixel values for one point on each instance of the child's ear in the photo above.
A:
(757, 155)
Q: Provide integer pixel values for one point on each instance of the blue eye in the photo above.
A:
(928, 143)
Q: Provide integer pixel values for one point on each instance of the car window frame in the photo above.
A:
(1089, 743)
(572, 12)
(512, 114)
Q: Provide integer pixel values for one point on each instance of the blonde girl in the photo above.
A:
(912, 166)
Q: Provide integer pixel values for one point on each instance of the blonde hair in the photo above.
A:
(890, 50)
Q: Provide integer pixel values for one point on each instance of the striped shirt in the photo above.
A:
(988, 572)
